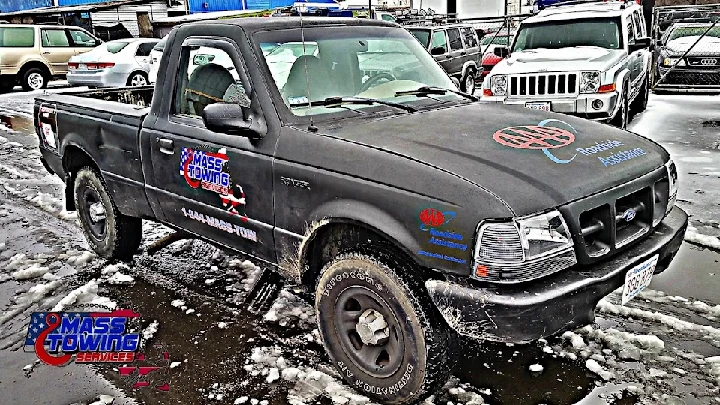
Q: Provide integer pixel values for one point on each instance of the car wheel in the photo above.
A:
(138, 79)
(643, 97)
(468, 82)
(621, 117)
(34, 79)
(111, 234)
(381, 330)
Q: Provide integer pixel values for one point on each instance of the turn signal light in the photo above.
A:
(72, 65)
(487, 92)
(606, 88)
(481, 271)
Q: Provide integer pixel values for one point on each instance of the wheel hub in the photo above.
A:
(97, 212)
(372, 327)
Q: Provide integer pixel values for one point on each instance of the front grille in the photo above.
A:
(501, 242)
(689, 78)
(704, 61)
(525, 271)
(612, 220)
(544, 84)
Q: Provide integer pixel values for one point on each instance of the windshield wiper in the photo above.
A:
(425, 91)
(338, 101)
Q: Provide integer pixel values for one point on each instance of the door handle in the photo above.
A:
(463, 53)
(46, 53)
(166, 145)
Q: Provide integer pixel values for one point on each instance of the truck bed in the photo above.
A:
(139, 96)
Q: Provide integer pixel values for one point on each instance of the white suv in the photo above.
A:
(590, 60)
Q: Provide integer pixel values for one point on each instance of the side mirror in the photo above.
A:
(438, 50)
(98, 42)
(502, 51)
(640, 43)
(232, 119)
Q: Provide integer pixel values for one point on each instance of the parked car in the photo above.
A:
(488, 43)
(687, 59)
(155, 55)
(456, 48)
(406, 211)
(590, 60)
(32, 55)
(122, 62)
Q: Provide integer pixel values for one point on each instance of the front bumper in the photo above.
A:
(580, 105)
(689, 79)
(554, 304)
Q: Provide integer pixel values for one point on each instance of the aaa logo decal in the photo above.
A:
(548, 134)
(433, 218)
(209, 171)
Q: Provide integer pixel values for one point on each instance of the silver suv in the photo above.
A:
(590, 60)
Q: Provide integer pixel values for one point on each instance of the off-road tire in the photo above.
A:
(428, 345)
(622, 117)
(28, 76)
(470, 75)
(122, 234)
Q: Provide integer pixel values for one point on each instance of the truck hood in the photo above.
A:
(706, 46)
(490, 145)
(554, 60)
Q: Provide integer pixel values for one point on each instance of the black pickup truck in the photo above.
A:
(339, 154)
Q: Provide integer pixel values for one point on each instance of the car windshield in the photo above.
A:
(116, 46)
(600, 32)
(422, 35)
(681, 32)
(361, 62)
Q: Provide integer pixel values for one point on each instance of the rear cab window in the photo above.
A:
(17, 37)
(115, 47)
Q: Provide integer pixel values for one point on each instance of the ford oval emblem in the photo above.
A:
(629, 214)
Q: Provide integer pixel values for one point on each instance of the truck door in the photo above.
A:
(457, 52)
(56, 49)
(211, 184)
(634, 58)
(438, 43)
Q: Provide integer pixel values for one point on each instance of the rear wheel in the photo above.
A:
(34, 79)
(381, 330)
(111, 234)
(468, 83)
(138, 79)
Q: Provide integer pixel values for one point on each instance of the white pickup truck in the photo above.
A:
(591, 60)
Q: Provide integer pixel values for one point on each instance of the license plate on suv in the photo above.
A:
(540, 106)
(638, 278)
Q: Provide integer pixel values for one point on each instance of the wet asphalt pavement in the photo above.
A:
(659, 349)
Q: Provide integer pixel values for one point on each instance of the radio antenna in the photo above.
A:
(312, 127)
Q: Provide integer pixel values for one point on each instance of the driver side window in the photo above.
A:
(631, 32)
(208, 75)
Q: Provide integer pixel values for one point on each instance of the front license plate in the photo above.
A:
(638, 278)
(544, 106)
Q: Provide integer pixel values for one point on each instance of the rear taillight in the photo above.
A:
(73, 65)
(99, 65)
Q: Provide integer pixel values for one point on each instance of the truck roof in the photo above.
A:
(254, 24)
(580, 11)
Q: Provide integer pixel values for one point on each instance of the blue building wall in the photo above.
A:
(197, 6)
(7, 6)
(79, 2)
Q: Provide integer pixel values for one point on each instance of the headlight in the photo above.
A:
(589, 82)
(498, 85)
(671, 62)
(523, 249)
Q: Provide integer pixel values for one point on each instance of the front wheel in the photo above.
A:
(641, 101)
(621, 117)
(111, 234)
(468, 83)
(381, 330)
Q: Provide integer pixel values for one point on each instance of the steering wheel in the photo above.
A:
(373, 81)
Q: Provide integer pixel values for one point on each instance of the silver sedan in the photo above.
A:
(122, 62)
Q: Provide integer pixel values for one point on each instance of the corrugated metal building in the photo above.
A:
(131, 16)
(8, 6)
(205, 6)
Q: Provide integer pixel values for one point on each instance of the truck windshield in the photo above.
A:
(600, 32)
(363, 62)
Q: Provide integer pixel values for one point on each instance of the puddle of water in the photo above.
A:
(17, 123)
(562, 381)
(694, 273)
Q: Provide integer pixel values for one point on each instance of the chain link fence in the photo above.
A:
(686, 56)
